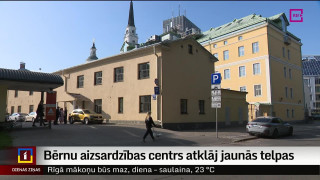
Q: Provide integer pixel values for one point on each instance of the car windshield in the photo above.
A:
(88, 111)
(262, 120)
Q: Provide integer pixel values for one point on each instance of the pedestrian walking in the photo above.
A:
(149, 122)
(39, 115)
(65, 115)
(61, 118)
(57, 116)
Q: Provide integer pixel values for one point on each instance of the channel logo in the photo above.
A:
(25, 155)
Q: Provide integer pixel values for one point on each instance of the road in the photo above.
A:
(131, 135)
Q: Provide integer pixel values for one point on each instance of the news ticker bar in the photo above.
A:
(161, 170)
(177, 155)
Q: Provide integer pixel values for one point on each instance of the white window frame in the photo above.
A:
(226, 55)
(255, 47)
(243, 87)
(240, 74)
(254, 90)
(254, 70)
(241, 51)
(225, 42)
(224, 74)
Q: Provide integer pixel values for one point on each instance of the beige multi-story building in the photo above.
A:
(170, 78)
(260, 56)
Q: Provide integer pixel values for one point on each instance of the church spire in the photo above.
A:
(131, 17)
(93, 55)
(131, 37)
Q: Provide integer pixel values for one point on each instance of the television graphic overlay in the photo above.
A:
(26, 155)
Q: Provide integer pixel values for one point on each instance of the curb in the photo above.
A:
(245, 139)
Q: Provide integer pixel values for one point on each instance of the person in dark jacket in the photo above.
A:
(39, 114)
(57, 116)
(65, 115)
(149, 122)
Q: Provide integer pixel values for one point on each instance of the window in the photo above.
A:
(30, 93)
(317, 97)
(243, 89)
(225, 42)
(98, 106)
(80, 80)
(317, 81)
(16, 93)
(292, 113)
(286, 91)
(190, 49)
(291, 93)
(12, 109)
(283, 52)
(288, 114)
(242, 71)
(241, 51)
(288, 54)
(317, 89)
(227, 74)
(183, 106)
(19, 109)
(215, 46)
(255, 47)
(285, 72)
(120, 105)
(31, 108)
(256, 68)
(290, 75)
(201, 107)
(143, 71)
(257, 90)
(225, 55)
(215, 55)
(118, 74)
(240, 38)
(145, 104)
(98, 78)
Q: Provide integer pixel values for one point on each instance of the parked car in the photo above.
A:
(31, 116)
(269, 126)
(85, 116)
(17, 117)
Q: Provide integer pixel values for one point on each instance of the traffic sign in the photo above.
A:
(215, 104)
(216, 92)
(215, 86)
(216, 98)
(216, 78)
(156, 90)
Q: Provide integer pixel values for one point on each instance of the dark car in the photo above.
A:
(269, 126)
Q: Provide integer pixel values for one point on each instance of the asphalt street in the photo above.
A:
(79, 134)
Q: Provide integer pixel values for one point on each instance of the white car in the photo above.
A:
(31, 116)
(17, 117)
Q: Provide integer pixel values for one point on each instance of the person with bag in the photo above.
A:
(149, 122)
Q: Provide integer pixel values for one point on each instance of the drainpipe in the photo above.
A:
(159, 76)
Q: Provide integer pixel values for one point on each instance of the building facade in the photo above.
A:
(311, 77)
(260, 56)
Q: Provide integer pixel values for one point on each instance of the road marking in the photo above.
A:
(93, 127)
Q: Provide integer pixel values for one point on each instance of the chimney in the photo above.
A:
(22, 65)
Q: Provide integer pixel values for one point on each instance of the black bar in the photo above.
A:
(183, 170)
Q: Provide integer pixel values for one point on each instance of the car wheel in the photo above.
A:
(32, 119)
(275, 133)
(86, 121)
(291, 131)
(251, 134)
(71, 120)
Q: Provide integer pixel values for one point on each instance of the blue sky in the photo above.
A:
(56, 35)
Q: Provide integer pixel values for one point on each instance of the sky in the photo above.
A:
(54, 35)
